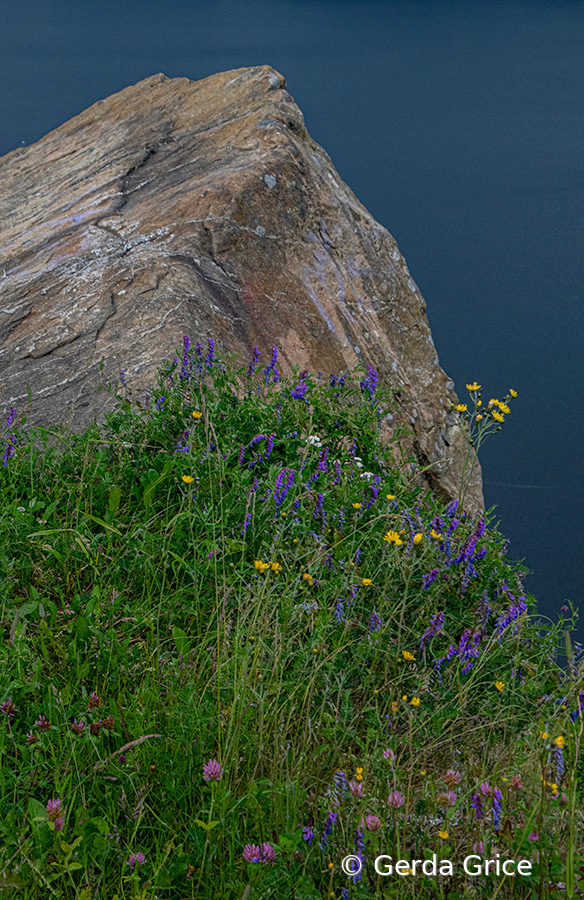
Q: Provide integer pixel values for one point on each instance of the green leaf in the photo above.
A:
(207, 825)
(82, 629)
(181, 641)
(115, 496)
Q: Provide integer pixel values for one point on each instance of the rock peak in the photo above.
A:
(203, 208)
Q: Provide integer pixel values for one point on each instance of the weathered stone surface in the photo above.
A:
(203, 208)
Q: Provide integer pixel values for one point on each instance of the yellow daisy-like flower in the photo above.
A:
(499, 685)
(435, 535)
(504, 408)
(479, 403)
(295, 541)
(417, 538)
(356, 506)
(512, 392)
(461, 407)
(405, 697)
(261, 566)
(407, 655)
(307, 577)
(392, 537)
(366, 582)
(473, 387)
(497, 416)
(276, 567)
(443, 834)
(479, 418)
(188, 479)
(415, 701)
(560, 742)
(390, 496)
(494, 402)
(196, 414)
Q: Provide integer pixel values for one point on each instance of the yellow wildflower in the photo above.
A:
(366, 582)
(493, 403)
(554, 788)
(417, 538)
(497, 416)
(390, 496)
(443, 834)
(295, 541)
(407, 655)
(392, 537)
(560, 742)
(261, 566)
(423, 772)
(415, 701)
(461, 407)
(504, 408)
(499, 685)
(435, 534)
(276, 567)
(544, 735)
(405, 697)
(188, 479)
(394, 707)
(307, 577)
(479, 418)
(356, 506)
(359, 773)
(473, 387)
(196, 414)
(512, 392)
(479, 403)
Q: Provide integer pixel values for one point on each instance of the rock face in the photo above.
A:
(203, 208)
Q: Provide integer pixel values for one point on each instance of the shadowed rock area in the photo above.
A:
(203, 208)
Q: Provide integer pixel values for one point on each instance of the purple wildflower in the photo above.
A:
(360, 853)
(533, 836)
(299, 392)
(357, 789)
(339, 614)
(43, 723)
(8, 708)
(210, 358)
(186, 363)
(497, 804)
(136, 859)
(54, 809)
(559, 760)
(372, 823)
(212, 770)
(395, 800)
(254, 360)
(332, 818)
(429, 578)
(389, 754)
(159, 403)
(308, 834)
(436, 623)
(272, 368)
(374, 622)
(478, 805)
(511, 614)
(259, 853)
(369, 384)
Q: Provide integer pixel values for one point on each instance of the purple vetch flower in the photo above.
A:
(259, 853)
(339, 613)
(284, 481)
(340, 783)
(10, 417)
(159, 403)
(478, 805)
(187, 364)
(241, 455)
(9, 450)
(246, 523)
(436, 623)
(299, 392)
(337, 466)
(511, 614)
(8, 708)
(123, 378)
(270, 445)
(253, 363)
(319, 508)
(369, 383)
(308, 833)
(497, 805)
(429, 578)
(374, 622)
(360, 853)
(332, 818)
(136, 859)
(374, 488)
(210, 358)
(183, 445)
(395, 800)
(272, 368)
(212, 770)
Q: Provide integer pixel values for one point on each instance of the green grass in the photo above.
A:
(134, 601)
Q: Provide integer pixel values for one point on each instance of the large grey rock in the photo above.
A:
(203, 208)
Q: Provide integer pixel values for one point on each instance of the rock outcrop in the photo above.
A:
(203, 208)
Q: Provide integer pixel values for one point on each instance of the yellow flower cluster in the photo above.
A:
(392, 537)
(264, 566)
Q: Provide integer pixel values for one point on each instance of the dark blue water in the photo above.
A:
(460, 126)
